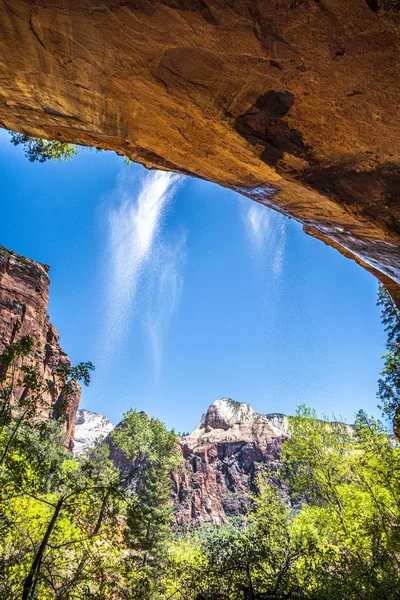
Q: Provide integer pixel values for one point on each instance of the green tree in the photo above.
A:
(150, 455)
(41, 150)
(80, 503)
(37, 149)
(327, 528)
(49, 503)
(389, 383)
(250, 560)
(345, 481)
(24, 394)
(77, 528)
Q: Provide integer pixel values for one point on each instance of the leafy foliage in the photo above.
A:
(329, 533)
(350, 477)
(41, 150)
(37, 149)
(73, 528)
(389, 383)
(326, 527)
(390, 318)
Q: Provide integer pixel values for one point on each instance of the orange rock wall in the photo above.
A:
(24, 296)
(291, 102)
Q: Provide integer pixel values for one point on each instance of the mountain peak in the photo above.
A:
(88, 427)
(224, 413)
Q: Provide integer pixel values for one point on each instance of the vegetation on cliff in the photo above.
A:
(37, 149)
(41, 150)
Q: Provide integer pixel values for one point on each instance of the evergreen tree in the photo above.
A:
(152, 454)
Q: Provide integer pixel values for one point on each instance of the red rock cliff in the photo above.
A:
(24, 296)
(221, 460)
(291, 102)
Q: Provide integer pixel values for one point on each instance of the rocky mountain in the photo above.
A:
(221, 458)
(89, 426)
(24, 296)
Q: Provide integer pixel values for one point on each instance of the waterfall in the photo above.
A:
(266, 230)
(134, 224)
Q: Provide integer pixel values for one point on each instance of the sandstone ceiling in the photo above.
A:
(294, 103)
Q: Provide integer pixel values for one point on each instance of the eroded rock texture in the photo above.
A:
(24, 296)
(291, 102)
(221, 460)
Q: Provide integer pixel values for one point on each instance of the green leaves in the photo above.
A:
(349, 480)
(389, 383)
(390, 317)
(152, 453)
(325, 528)
(144, 439)
(40, 150)
(19, 349)
(77, 528)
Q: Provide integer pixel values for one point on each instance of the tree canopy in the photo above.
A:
(37, 149)
(327, 529)
(326, 526)
(389, 383)
(76, 528)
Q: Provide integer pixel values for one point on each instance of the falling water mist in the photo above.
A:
(134, 254)
(266, 230)
(266, 242)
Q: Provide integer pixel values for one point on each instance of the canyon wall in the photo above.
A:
(293, 103)
(24, 296)
(221, 459)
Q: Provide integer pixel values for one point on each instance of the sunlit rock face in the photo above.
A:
(24, 296)
(226, 413)
(89, 426)
(221, 460)
(292, 103)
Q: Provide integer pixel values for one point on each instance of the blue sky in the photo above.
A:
(181, 292)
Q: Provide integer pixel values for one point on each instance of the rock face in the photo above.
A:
(24, 295)
(221, 460)
(292, 103)
(89, 426)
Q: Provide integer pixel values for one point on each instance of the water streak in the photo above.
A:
(164, 291)
(266, 230)
(133, 227)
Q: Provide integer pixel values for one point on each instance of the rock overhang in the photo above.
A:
(292, 103)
